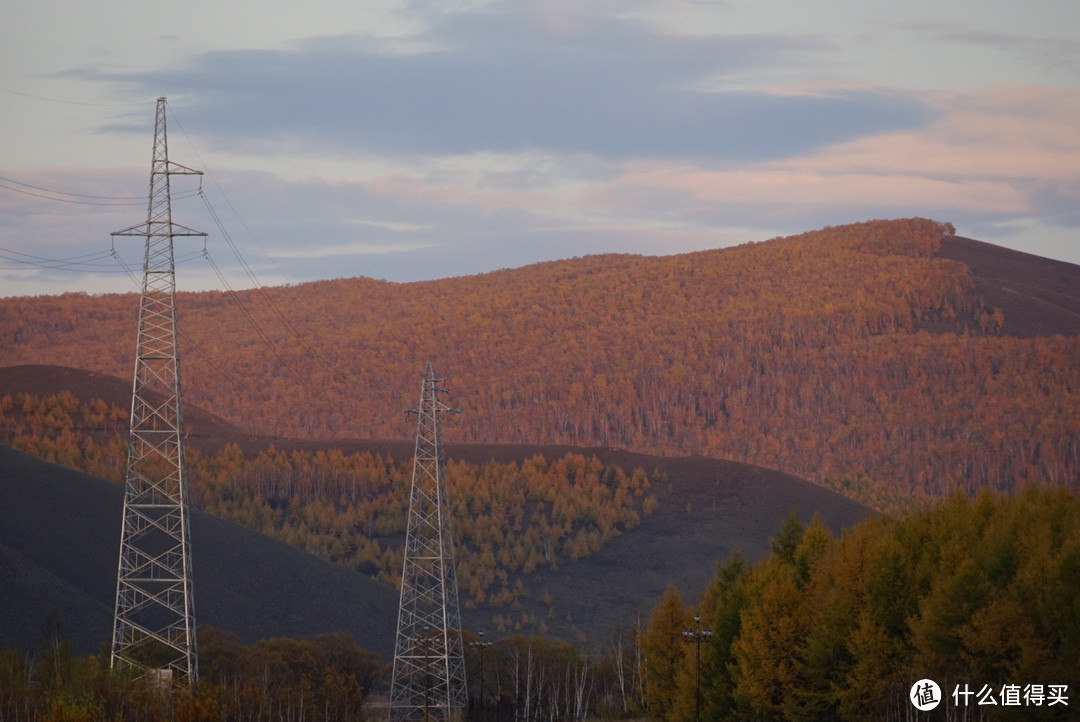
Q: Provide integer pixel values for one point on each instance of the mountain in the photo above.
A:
(59, 534)
(890, 351)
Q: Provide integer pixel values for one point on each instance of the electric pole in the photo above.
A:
(697, 635)
(154, 624)
(481, 644)
(429, 662)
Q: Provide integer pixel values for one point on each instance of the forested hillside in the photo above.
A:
(509, 518)
(979, 595)
(542, 533)
(849, 356)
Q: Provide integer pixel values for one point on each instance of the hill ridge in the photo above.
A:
(850, 353)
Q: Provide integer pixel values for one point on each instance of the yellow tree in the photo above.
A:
(663, 651)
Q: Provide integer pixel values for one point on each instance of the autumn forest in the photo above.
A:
(856, 357)
(509, 519)
(807, 354)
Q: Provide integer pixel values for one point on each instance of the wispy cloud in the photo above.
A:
(351, 249)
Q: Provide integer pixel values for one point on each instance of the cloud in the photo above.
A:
(1052, 52)
(1000, 161)
(512, 82)
(350, 249)
(1004, 151)
(499, 134)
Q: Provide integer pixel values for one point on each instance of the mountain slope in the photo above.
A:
(710, 510)
(60, 531)
(862, 351)
(37, 606)
(1038, 296)
(705, 510)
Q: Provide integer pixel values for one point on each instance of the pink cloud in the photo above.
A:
(793, 186)
(986, 152)
(1010, 132)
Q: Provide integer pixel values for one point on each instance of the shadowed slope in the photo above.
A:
(1039, 296)
(60, 530)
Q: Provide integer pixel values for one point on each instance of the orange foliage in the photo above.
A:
(801, 354)
(508, 519)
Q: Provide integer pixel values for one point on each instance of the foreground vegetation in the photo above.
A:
(977, 594)
(323, 678)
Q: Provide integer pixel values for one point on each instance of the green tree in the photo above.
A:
(723, 603)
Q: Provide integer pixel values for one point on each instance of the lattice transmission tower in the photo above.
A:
(429, 662)
(154, 624)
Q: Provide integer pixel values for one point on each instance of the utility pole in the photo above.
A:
(697, 635)
(154, 623)
(429, 662)
(481, 644)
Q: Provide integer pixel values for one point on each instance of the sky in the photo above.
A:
(407, 140)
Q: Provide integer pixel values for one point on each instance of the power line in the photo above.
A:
(72, 102)
(141, 199)
(274, 347)
(86, 263)
(51, 194)
(72, 259)
(66, 200)
(256, 283)
(228, 202)
(314, 353)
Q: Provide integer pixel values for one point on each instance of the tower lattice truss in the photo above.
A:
(154, 623)
(429, 664)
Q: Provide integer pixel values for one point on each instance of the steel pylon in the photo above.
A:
(154, 623)
(429, 662)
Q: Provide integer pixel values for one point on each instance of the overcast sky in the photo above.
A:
(416, 140)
